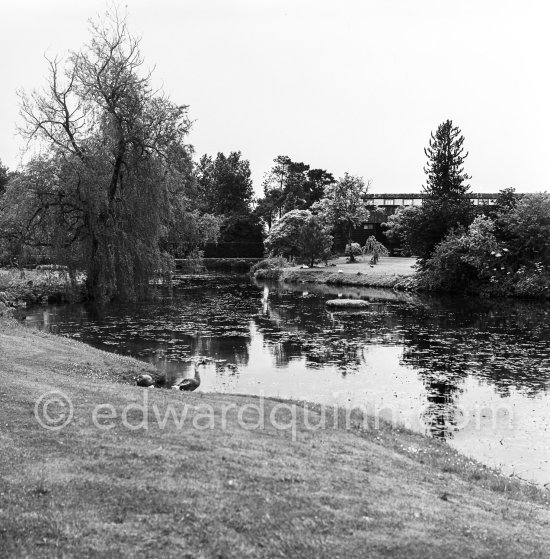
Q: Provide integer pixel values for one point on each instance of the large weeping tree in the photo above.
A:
(113, 163)
(445, 171)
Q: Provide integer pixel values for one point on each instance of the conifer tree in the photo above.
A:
(446, 176)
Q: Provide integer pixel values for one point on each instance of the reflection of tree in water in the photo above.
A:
(436, 362)
(440, 412)
(506, 343)
(318, 349)
(298, 326)
(204, 321)
(234, 349)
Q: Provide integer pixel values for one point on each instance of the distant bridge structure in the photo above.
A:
(381, 206)
(417, 199)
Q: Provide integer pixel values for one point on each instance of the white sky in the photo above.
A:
(345, 85)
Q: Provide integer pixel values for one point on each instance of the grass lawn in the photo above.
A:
(387, 273)
(235, 490)
(396, 265)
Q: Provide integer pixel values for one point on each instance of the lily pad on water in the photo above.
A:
(348, 303)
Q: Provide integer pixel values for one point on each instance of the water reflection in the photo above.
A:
(435, 363)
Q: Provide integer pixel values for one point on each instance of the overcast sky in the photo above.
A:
(352, 86)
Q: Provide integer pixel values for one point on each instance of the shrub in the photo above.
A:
(533, 281)
(525, 228)
(314, 241)
(300, 234)
(42, 286)
(375, 248)
(420, 229)
(273, 263)
(464, 260)
(269, 274)
(355, 250)
(284, 235)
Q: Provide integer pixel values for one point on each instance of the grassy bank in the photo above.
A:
(31, 287)
(390, 272)
(233, 491)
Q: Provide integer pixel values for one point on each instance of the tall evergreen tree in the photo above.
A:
(445, 171)
(447, 207)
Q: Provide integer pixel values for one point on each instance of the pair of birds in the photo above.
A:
(187, 384)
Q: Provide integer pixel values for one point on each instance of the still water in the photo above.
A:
(474, 372)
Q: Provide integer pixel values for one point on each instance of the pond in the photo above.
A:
(472, 371)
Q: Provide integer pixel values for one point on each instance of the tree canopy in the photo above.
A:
(314, 240)
(344, 204)
(291, 185)
(4, 178)
(420, 228)
(225, 189)
(283, 236)
(504, 254)
(300, 234)
(225, 185)
(114, 174)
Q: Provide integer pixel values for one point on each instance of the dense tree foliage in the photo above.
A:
(241, 236)
(463, 258)
(314, 241)
(4, 177)
(225, 186)
(113, 183)
(283, 236)
(507, 254)
(226, 190)
(190, 231)
(418, 229)
(268, 208)
(300, 234)
(525, 228)
(290, 185)
(506, 199)
(344, 204)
